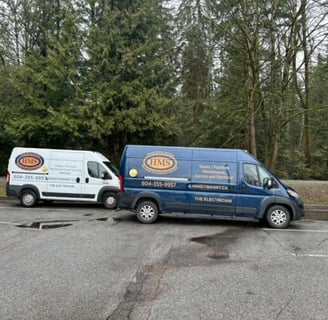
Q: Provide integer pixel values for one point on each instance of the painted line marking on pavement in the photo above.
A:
(8, 222)
(40, 209)
(310, 255)
(293, 230)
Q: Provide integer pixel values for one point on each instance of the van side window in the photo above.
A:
(255, 175)
(251, 174)
(96, 170)
(264, 175)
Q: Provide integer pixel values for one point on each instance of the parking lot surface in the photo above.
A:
(61, 261)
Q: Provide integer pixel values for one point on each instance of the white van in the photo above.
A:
(71, 175)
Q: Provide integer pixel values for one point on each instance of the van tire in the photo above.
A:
(147, 212)
(28, 198)
(109, 200)
(278, 217)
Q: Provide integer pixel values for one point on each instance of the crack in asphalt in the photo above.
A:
(143, 288)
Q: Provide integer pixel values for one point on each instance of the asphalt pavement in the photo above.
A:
(76, 262)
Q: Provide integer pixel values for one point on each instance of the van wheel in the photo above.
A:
(109, 200)
(147, 212)
(278, 217)
(28, 198)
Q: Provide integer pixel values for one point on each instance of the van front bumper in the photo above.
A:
(299, 211)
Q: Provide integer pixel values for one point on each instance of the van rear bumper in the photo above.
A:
(125, 201)
(13, 191)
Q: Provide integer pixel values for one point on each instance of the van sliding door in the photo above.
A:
(213, 188)
(64, 179)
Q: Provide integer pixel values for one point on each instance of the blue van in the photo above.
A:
(227, 184)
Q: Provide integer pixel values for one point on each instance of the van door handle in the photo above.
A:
(86, 180)
(244, 188)
(78, 180)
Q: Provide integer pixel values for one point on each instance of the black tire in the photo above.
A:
(109, 200)
(28, 198)
(147, 212)
(278, 217)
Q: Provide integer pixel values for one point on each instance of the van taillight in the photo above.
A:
(121, 184)
(8, 178)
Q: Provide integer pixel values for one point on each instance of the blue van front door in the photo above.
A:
(252, 192)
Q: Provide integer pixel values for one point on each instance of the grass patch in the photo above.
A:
(311, 192)
(2, 187)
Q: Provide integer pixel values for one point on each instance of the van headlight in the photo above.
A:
(292, 193)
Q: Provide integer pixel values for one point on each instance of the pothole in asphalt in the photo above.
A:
(44, 225)
(219, 255)
(131, 297)
(40, 225)
(101, 219)
(220, 243)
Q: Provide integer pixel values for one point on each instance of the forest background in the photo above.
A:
(87, 74)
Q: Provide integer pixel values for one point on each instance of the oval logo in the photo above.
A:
(160, 162)
(29, 161)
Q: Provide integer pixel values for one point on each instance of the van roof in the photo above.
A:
(196, 153)
(47, 151)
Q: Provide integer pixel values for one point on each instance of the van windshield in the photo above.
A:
(111, 167)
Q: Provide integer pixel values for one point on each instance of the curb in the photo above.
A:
(316, 212)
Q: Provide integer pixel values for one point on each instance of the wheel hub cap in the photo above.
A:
(110, 200)
(278, 217)
(147, 212)
(28, 198)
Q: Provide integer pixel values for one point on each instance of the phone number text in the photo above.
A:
(26, 177)
(159, 184)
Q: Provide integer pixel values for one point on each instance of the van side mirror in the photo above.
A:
(268, 183)
(106, 176)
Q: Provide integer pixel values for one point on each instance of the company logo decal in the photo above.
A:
(29, 161)
(160, 162)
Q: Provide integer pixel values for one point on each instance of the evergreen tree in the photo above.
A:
(196, 67)
(129, 74)
(319, 117)
(48, 81)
